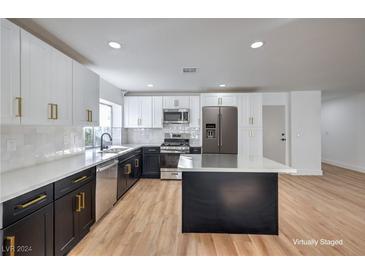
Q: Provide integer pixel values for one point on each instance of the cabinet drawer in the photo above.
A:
(72, 182)
(195, 150)
(21, 206)
(151, 150)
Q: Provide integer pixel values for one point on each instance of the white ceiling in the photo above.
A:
(299, 54)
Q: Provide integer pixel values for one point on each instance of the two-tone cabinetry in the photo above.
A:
(50, 220)
(147, 111)
(42, 86)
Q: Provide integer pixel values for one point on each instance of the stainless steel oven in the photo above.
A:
(173, 146)
(176, 116)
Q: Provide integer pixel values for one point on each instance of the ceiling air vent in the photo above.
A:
(189, 70)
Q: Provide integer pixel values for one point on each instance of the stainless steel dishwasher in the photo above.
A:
(106, 187)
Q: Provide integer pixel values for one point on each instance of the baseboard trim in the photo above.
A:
(308, 172)
(343, 165)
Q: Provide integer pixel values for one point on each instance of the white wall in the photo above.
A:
(305, 123)
(110, 92)
(343, 131)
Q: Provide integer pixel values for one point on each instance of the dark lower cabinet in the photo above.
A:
(30, 236)
(74, 215)
(151, 162)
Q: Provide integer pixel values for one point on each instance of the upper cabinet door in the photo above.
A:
(256, 110)
(10, 73)
(172, 102)
(219, 99)
(132, 110)
(85, 96)
(61, 89)
(36, 70)
(157, 112)
(146, 112)
(194, 111)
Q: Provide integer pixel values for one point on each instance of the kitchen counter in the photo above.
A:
(20, 181)
(230, 163)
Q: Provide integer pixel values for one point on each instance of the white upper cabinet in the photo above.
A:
(60, 99)
(36, 74)
(250, 110)
(172, 102)
(46, 83)
(218, 99)
(157, 112)
(194, 111)
(85, 96)
(138, 112)
(10, 73)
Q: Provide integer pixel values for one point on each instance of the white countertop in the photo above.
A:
(20, 181)
(230, 163)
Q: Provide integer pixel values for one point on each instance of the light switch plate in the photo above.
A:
(11, 145)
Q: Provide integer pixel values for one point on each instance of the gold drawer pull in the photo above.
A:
(80, 179)
(129, 169)
(11, 239)
(82, 200)
(36, 200)
(78, 204)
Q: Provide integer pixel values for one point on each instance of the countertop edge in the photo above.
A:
(57, 178)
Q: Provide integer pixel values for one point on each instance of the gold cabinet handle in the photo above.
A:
(129, 169)
(78, 203)
(80, 179)
(19, 107)
(55, 112)
(32, 202)
(91, 115)
(11, 240)
(82, 200)
(50, 111)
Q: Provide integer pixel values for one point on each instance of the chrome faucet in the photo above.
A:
(102, 146)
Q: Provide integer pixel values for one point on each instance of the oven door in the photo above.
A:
(169, 160)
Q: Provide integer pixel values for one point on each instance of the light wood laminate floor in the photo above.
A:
(147, 221)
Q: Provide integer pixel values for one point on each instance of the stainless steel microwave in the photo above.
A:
(176, 116)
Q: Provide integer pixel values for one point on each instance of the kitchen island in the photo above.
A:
(228, 193)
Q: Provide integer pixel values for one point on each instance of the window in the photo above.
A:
(109, 120)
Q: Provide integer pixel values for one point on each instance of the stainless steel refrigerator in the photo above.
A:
(220, 130)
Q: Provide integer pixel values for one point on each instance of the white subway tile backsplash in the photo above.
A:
(37, 144)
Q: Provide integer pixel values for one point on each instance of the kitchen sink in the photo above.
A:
(114, 150)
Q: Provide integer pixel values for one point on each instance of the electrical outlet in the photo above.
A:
(11, 145)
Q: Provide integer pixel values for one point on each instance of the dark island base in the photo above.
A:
(230, 202)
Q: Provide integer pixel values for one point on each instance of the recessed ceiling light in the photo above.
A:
(257, 44)
(114, 45)
(150, 85)
(222, 85)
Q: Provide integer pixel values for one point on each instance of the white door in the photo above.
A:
(146, 112)
(10, 73)
(250, 142)
(274, 140)
(194, 111)
(61, 88)
(132, 110)
(157, 112)
(35, 80)
(243, 110)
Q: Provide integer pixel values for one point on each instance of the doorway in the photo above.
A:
(274, 133)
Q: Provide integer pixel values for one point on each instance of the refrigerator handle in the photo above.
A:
(220, 135)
